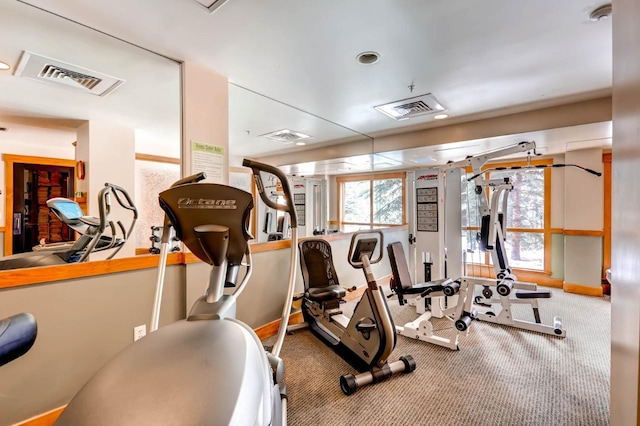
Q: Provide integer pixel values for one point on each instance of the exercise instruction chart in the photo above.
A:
(209, 159)
(300, 206)
(427, 209)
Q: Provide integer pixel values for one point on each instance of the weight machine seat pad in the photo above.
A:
(422, 287)
(401, 275)
(323, 294)
(538, 294)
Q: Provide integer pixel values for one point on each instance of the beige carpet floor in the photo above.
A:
(500, 376)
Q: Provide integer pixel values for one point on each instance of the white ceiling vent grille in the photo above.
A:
(286, 136)
(412, 107)
(211, 5)
(41, 68)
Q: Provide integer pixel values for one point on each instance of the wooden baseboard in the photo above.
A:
(271, 329)
(46, 419)
(582, 289)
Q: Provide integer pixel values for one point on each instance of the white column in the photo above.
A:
(108, 151)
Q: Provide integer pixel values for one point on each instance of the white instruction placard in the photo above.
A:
(209, 159)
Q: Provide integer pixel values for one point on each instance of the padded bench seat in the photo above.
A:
(324, 294)
(538, 294)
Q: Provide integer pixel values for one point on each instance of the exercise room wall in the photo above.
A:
(625, 211)
(262, 300)
(81, 324)
(108, 151)
(584, 209)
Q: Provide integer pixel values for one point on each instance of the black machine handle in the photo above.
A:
(257, 167)
(122, 197)
(190, 179)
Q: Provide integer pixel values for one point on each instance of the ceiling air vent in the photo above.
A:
(211, 5)
(41, 68)
(286, 136)
(412, 107)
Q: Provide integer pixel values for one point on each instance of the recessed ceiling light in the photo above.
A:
(301, 143)
(4, 66)
(368, 58)
(440, 116)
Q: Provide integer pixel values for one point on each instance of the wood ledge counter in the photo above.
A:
(29, 276)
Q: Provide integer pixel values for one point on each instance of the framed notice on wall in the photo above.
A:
(209, 159)
(299, 203)
(427, 209)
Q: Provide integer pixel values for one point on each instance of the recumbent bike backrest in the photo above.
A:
(316, 262)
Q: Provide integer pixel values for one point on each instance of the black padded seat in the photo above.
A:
(318, 273)
(402, 277)
(428, 287)
(324, 294)
(538, 294)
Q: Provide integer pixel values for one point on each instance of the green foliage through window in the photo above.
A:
(372, 202)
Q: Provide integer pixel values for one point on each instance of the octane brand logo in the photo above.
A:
(428, 177)
(206, 203)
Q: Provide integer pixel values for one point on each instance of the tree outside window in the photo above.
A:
(527, 219)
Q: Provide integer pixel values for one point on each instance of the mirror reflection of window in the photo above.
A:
(152, 177)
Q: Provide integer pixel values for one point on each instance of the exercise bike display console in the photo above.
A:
(367, 338)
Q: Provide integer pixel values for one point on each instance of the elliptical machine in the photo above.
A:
(209, 368)
(93, 232)
(365, 340)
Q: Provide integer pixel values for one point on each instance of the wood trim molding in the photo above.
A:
(582, 289)
(45, 419)
(46, 274)
(270, 245)
(606, 245)
(583, 233)
(157, 158)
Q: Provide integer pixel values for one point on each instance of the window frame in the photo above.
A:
(371, 177)
(486, 269)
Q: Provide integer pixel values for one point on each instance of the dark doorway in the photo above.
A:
(33, 185)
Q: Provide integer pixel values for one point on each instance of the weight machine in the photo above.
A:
(492, 237)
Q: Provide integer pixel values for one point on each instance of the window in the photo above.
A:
(528, 231)
(371, 201)
(153, 175)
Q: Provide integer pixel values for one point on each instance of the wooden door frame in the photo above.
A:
(9, 161)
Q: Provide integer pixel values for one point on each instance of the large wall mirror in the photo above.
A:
(304, 146)
(67, 81)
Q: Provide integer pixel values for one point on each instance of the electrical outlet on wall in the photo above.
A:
(139, 332)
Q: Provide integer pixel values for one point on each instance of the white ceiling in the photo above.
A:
(292, 63)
